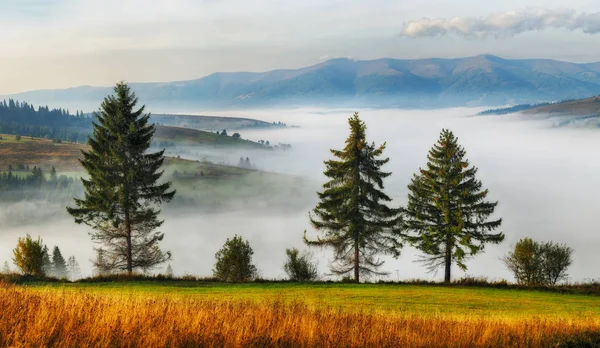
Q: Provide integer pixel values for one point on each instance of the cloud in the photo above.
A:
(504, 24)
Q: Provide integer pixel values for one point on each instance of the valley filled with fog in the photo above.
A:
(546, 180)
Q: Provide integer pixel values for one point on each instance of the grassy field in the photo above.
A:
(286, 314)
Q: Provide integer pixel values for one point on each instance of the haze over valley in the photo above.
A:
(545, 189)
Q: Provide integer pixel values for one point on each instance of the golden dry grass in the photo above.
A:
(39, 152)
(53, 317)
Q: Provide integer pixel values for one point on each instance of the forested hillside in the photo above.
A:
(24, 119)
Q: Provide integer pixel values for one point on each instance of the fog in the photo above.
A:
(546, 180)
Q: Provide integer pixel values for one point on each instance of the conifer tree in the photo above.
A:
(47, 265)
(122, 193)
(169, 271)
(6, 268)
(59, 265)
(352, 216)
(100, 266)
(447, 210)
(73, 270)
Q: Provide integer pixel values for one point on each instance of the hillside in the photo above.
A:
(479, 80)
(580, 107)
(212, 123)
(188, 136)
(573, 113)
(39, 152)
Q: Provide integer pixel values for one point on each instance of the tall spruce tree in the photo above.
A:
(122, 193)
(352, 216)
(447, 210)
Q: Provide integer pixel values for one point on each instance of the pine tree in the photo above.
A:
(47, 265)
(53, 177)
(352, 214)
(122, 193)
(447, 212)
(59, 265)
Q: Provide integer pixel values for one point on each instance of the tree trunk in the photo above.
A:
(129, 246)
(448, 261)
(356, 265)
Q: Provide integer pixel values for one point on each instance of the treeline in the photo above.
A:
(23, 183)
(23, 119)
(520, 107)
(32, 257)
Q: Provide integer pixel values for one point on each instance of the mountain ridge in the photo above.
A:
(383, 82)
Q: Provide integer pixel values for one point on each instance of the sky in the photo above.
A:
(50, 44)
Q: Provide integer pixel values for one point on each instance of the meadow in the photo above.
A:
(287, 314)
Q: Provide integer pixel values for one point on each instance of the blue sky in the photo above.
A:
(63, 43)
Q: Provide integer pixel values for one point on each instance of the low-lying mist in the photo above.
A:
(546, 180)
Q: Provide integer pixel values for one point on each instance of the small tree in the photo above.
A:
(234, 261)
(556, 258)
(47, 262)
(73, 270)
(29, 256)
(59, 265)
(236, 136)
(169, 271)
(100, 266)
(224, 132)
(6, 268)
(300, 267)
(17, 137)
(524, 262)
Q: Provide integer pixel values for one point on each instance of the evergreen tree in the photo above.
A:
(169, 271)
(73, 270)
(122, 193)
(447, 211)
(100, 265)
(6, 268)
(59, 265)
(234, 261)
(352, 214)
(46, 262)
(53, 177)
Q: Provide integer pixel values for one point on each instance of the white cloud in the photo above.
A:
(505, 24)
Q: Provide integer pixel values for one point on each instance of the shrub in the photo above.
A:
(300, 267)
(234, 261)
(29, 256)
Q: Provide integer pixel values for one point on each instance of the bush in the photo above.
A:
(29, 256)
(535, 263)
(300, 267)
(234, 261)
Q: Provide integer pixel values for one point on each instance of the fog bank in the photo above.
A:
(546, 181)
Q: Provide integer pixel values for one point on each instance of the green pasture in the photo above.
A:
(406, 299)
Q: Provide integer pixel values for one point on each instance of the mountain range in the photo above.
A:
(473, 81)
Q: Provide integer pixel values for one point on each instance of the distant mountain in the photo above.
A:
(480, 80)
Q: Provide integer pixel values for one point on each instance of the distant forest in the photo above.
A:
(58, 124)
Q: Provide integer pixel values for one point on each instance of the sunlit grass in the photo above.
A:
(144, 315)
